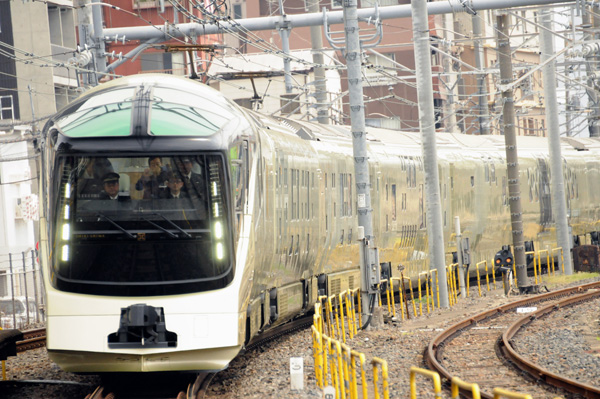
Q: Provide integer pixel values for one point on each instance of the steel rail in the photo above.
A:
(574, 386)
(431, 353)
(32, 339)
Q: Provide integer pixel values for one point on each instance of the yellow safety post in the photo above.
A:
(412, 296)
(333, 365)
(401, 296)
(384, 377)
(318, 355)
(515, 273)
(341, 313)
(478, 280)
(437, 285)
(351, 314)
(493, 274)
(340, 369)
(346, 358)
(457, 384)
(435, 378)
(450, 278)
(454, 275)
(387, 294)
(487, 277)
(450, 296)
(328, 316)
(420, 300)
(562, 258)
(428, 291)
(534, 265)
(503, 393)
(354, 355)
(550, 268)
(430, 287)
(390, 297)
(359, 301)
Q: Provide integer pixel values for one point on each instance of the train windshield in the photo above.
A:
(137, 226)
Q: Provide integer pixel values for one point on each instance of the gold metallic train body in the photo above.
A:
(290, 200)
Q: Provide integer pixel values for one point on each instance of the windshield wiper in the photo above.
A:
(160, 227)
(171, 223)
(118, 226)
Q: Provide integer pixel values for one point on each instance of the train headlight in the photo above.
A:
(65, 253)
(218, 230)
(219, 251)
(66, 231)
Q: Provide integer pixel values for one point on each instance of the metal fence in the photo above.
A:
(21, 290)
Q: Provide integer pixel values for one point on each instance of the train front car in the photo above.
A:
(139, 262)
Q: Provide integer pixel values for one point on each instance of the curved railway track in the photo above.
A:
(488, 335)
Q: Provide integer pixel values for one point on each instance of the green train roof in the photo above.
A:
(169, 105)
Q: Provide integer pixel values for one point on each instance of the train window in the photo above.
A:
(487, 172)
(176, 240)
(393, 202)
(493, 172)
(332, 180)
(173, 114)
(403, 201)
(108, 112)
(472, 181)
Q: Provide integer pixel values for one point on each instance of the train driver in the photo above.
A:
(110, 182)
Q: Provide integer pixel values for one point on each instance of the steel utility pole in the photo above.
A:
(558, 185)
(484, 115)
(316, 40)
(370, 273)
(435, 229)
(510, 140)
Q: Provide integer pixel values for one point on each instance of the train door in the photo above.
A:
(544, 193)
(238, 153)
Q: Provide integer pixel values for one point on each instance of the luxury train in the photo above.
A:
(176, 225)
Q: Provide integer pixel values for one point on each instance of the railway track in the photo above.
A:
(490, 359)
(125, 388)
(32, 339)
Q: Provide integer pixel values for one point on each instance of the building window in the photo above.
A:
(157, 62)
(237, 11)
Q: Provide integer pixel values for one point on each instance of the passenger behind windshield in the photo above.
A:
(153, 180)
(192, 181)
(91, 172)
